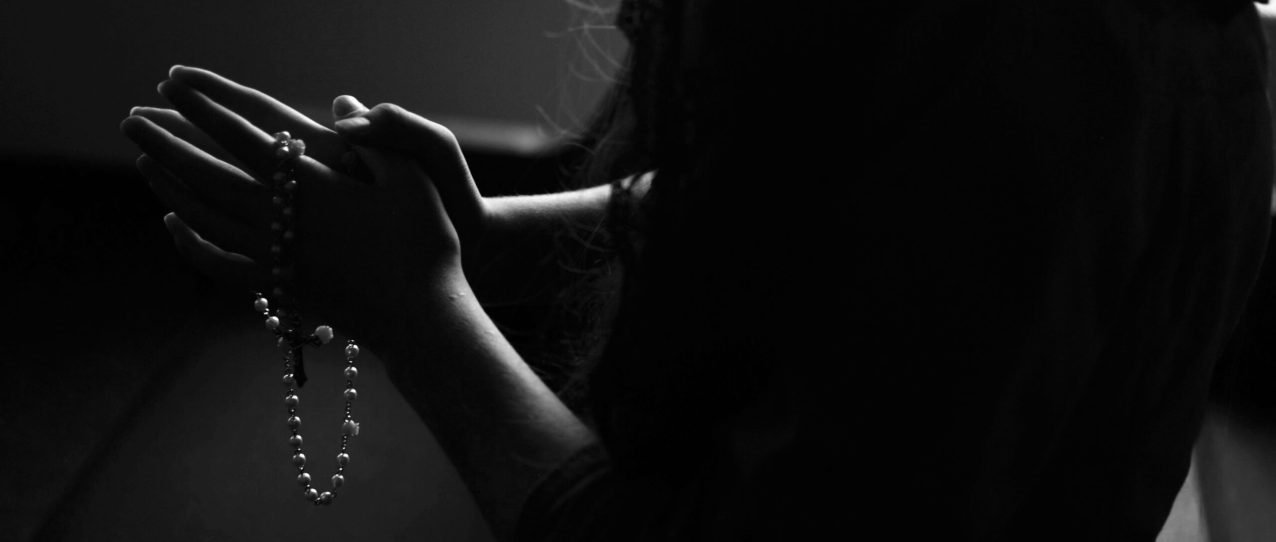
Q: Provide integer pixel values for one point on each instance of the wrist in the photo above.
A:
(479, 235)
(422, 307)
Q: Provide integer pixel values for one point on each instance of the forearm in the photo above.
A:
(511, 218)
(520, 232)
(500, 425)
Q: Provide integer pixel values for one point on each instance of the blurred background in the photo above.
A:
(72, 70)
(144, 401)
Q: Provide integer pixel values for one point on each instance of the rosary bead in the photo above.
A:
(349, 428)
(285, 323)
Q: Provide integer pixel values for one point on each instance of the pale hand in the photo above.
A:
(362, 245)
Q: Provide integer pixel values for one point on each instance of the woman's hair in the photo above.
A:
(717, 98)
(692, 297)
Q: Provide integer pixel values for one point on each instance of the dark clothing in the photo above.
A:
(1037, 224)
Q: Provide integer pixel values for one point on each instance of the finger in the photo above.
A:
(263, 111)
(210, 259)
(346, 107)
(256, 106)
(217, 227)
(431, 144)
(241, 138)
(221, 185)
(248, 143)
(176, 124)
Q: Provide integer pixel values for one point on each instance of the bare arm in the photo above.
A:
(512, 218)
(494, 220)
(501, 426)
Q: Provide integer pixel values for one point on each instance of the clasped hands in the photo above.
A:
(369, 230)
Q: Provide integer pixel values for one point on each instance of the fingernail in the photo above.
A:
(134, 110)
(353, 124)
(171, 222)
(174, 68)
(345, 105)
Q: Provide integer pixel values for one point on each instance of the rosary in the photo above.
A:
(285, 323)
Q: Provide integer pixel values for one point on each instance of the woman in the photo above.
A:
(986, 307)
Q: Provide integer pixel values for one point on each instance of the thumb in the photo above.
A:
(345, 106)
(392, 127)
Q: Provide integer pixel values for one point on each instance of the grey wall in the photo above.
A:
(69, 71)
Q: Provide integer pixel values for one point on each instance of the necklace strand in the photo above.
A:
(285, 325)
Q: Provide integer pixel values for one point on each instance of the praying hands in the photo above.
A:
(377, 245)
(210, 160)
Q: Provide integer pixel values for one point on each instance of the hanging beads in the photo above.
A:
(284, 324)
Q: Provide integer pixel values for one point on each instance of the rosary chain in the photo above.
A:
(285, 325)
